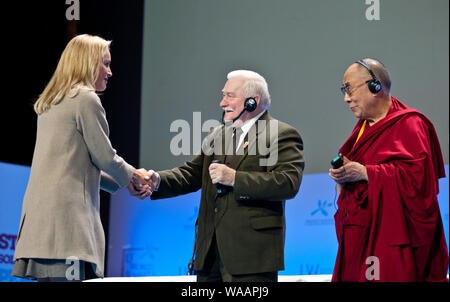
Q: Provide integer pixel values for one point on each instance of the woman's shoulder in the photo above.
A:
(85, 99)
(82, 92)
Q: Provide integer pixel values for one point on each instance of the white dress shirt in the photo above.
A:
(246, 127)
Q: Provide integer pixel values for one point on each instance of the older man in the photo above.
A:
(241, 220)
(388, 222)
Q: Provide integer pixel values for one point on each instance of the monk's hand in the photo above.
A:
(222, 174)
(351, 171)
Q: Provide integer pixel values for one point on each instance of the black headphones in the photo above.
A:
(374, 84)
(250, 104)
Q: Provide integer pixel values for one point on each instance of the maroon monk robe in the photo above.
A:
(394, 216)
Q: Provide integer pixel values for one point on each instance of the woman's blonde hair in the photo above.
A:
(78, 66)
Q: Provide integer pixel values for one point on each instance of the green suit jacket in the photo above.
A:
(249, 220)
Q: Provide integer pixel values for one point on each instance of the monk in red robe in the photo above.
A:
(388, 222)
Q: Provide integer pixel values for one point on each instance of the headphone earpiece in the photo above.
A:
(374, 85)
(250, 104)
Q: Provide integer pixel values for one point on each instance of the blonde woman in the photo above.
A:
(60, 235)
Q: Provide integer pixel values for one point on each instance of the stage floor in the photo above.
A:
(281, 278)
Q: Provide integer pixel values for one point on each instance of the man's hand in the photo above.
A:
(143, 183)
(154, 180)
(222, 174)
(351, 171)
(141, 194)
(140, 178)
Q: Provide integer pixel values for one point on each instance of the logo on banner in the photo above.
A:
(322, 208)
(322, 214)
(137, 262)
(7, 243)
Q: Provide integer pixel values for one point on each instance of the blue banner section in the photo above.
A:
(155, 238)
(13, 183)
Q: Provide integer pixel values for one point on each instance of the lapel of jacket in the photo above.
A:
(250, 141)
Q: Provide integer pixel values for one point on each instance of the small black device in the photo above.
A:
(374, 84)
(337, 162)
(221, 189)
(249, 105)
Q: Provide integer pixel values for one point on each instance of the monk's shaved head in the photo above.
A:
(380, 72)
(364, 103)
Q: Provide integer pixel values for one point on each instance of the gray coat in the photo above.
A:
(73, 159)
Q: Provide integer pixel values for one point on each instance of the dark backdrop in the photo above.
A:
(34, 35)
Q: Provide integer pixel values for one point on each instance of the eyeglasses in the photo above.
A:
(347, 89)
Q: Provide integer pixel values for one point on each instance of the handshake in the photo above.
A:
(143, 183)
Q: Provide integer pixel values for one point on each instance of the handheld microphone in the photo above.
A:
(221, 189)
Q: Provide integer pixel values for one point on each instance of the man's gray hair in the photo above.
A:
(255, 85)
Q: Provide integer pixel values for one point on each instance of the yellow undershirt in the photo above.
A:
(360, 132)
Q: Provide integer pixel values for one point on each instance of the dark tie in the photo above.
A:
(237, 136)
